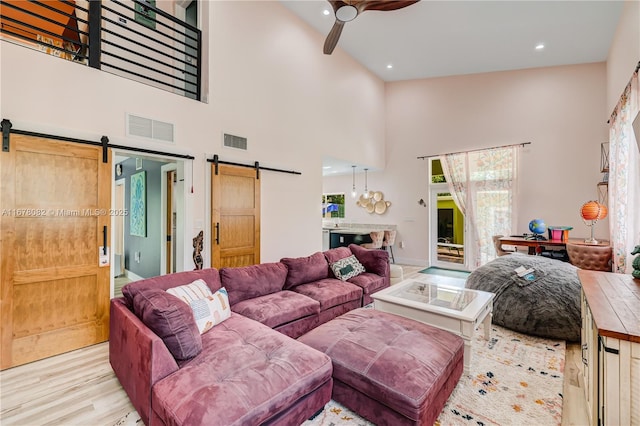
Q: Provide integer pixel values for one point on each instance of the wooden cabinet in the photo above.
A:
(589, 361)
(611, 347)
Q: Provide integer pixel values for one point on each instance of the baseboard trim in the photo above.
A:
(132, 276)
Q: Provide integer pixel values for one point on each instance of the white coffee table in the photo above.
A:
(432, 299)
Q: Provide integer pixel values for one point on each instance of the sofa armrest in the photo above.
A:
(138, 357)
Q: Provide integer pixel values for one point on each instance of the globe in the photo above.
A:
(537, 226)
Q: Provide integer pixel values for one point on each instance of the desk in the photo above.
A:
(535, 246)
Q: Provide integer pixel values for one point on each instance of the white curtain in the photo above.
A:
(483, 185)
(624, 179)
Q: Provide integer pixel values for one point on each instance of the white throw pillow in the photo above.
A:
(212, 310)
(190, 292)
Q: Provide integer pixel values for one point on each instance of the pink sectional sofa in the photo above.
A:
(247, 369)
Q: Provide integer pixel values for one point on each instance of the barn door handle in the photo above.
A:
(218, 233)
(104, 240)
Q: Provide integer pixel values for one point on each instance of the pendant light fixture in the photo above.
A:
(366, 190)
(353, 188)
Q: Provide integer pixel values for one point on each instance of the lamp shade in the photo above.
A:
(593, 210)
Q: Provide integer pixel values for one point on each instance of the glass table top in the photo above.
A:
(436, 295)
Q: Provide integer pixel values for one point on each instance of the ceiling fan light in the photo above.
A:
(346, 13)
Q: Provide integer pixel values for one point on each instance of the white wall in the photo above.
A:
(269, 81)
(624, 53)
(561, 110)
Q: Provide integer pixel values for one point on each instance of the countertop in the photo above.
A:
(613, 299)
(353, 231)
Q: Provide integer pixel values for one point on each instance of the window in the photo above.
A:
(333, 206)
(437, 175)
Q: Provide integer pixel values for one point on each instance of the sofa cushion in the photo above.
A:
(346, 268)
(330, 292)
(335, 254)
(211, 311)
(190, 292)
(171, 319)
(279, 308)
(369, 282)
(247, 282)
(303, 270)
(245, 374)
(164, 282)
(374, 260)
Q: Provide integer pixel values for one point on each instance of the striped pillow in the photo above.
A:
(191, 292)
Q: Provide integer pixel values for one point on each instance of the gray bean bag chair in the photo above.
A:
(545, 305)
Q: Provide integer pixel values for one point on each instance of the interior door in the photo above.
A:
(170, 176)
(55, 200)
(191, 70)
(118, 224)
(235, 216)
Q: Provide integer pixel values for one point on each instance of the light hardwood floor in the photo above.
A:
(80, 388)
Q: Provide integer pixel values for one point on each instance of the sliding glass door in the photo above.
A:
(447, 223)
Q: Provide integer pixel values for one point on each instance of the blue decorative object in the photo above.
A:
(537, 226)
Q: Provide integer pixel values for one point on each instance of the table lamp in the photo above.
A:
(592, 211)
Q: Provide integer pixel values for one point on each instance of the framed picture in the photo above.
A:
(145, 15)
(138, 206)
(604, 157)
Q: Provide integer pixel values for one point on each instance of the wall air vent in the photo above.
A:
(237, 142)
(148, 128)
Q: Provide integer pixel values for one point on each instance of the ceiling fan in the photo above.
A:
(348, 10)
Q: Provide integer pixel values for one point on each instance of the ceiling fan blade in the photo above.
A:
(332, 38)
(387, 5)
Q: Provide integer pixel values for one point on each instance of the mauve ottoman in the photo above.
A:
(389, 369)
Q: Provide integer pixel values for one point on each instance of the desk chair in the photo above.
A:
(500, 251)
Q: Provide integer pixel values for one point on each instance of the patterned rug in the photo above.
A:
(514, 380)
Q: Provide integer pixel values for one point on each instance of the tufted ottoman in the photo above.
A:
(592, 257)
(389, 369)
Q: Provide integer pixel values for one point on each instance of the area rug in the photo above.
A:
(445, 272)
(514, 379)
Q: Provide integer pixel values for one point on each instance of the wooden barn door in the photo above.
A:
(235, 216)
(55, 200)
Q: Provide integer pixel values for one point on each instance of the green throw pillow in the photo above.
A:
(346, 268)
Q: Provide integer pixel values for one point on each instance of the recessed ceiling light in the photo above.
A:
(326, 167)
(326, 12)
(389, 66)
(539, 46)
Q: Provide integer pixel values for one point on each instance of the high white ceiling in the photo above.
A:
(444, 38)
